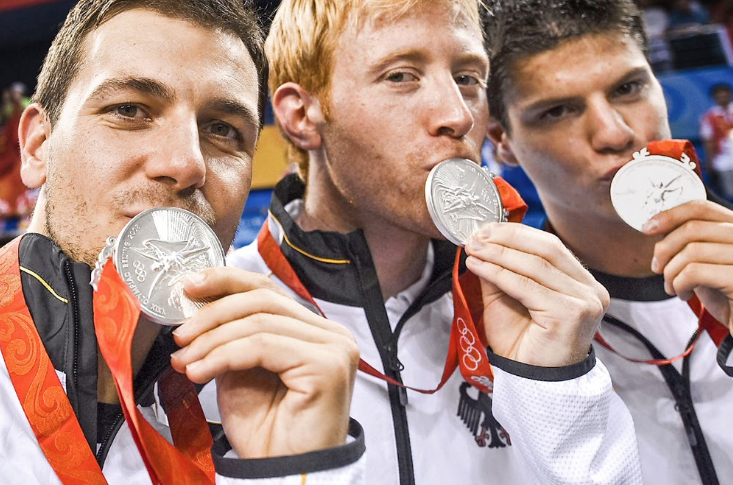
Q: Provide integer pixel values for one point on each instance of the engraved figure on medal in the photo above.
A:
(650, 184)
(153, 253)
(461, 196)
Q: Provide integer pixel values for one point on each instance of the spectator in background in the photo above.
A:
(716, 131)
(12, 189)
(14, 101)
(687, 17)
(656, 21)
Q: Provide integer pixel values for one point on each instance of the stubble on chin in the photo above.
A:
(70, 240)
(74, 240)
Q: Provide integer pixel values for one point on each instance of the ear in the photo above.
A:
(33, 134)
(499, 138)
(299, 115)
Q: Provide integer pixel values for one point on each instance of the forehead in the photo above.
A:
(195, 62)
(575, 67)
(431, 27)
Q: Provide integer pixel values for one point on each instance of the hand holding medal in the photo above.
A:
(265, 350)
(531, 287)
(695, 246)
(653, 183)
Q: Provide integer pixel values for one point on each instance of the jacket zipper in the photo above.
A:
(679, 386)
(382, 334)
(75, 308)
(101, 454)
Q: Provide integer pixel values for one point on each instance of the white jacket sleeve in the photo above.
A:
(342, 465)
(567, 422)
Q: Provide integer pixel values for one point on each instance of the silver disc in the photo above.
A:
(461, 196)
(651, 184)
(153, 253)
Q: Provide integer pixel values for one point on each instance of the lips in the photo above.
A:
(436, 162)
(611, 173)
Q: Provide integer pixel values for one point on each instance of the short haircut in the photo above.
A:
(304, 35)
(519, 29)
(65, 57)
(719, 87)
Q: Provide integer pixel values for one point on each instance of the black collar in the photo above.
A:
(650, 288)
(624, 287)
(333, 266)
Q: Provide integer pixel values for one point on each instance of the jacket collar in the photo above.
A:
(335, 267)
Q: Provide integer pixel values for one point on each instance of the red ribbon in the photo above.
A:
(49, 411)
(116, 315)
(37, 385)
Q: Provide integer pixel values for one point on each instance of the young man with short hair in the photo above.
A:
(145, 104)
(372, 95)
(573, 98)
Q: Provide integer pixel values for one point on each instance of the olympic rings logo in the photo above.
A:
(140, 271)
(483, 381)
(471, 354)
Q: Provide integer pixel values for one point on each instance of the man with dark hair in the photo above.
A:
(145, 104)
(716, 131)
(573, 98)
(372, 95)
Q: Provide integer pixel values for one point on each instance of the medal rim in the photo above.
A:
(435, 216)
(619, 180)
(162, 320)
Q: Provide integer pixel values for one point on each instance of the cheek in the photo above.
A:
(654, 117)
(228, 181)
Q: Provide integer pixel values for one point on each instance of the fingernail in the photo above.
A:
(655, 264)
(179, 353)
(179, 331)
(193, 366)
(195, 278)
(484, 230)
(650, 225)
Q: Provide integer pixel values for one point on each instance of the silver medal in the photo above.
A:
(650, 184)
(153, 253)
(461, 196)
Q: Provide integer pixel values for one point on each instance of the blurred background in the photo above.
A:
(690, 51)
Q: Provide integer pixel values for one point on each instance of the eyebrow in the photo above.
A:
(546, 103)
(410, 55)
(159, 90)
(415, 55)
(142, 85)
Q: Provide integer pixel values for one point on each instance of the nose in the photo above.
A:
(449, 115)
(608, 130)
(177, 159)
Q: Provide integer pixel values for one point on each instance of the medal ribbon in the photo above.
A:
(706, 322)
(49, 411)
(37, 385)
(466, 348)
(116, 315)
